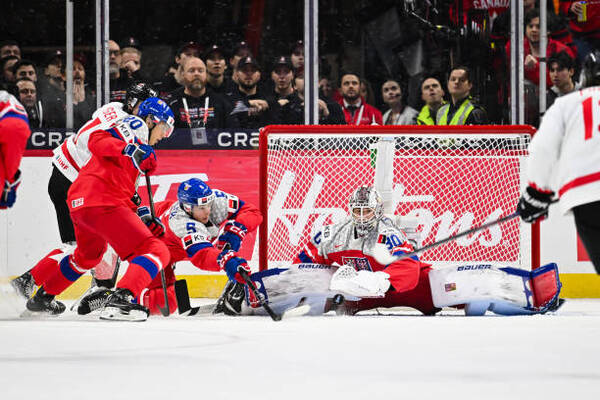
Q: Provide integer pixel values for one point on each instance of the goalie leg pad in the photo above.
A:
(502, 290)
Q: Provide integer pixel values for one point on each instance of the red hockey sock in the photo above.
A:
(64, 276)
(141, 271)
(46, 267)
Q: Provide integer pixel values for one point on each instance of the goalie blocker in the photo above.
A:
(479, 287)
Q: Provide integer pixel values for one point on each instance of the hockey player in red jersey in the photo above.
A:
(68, 159)
(205, 226)
(101, 206)
(14, 132)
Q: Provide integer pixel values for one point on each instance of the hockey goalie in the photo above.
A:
(358, 264)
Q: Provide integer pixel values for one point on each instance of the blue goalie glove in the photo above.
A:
(233, 233)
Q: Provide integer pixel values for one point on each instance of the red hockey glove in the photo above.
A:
(153, 223)
(231, 264)
(142, 156)
(233, 233)
(534, 204)
(9, 192)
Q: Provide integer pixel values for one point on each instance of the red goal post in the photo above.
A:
(441, 179)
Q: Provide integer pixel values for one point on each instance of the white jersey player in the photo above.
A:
(564, 160)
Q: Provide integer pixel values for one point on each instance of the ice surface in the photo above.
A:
(397, 355)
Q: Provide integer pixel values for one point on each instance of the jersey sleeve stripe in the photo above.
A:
(193, 249)
(14, 114)
(115, 133)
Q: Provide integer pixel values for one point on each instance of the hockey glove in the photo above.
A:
(233, 233)
(232, 264)
(142, 156)
(534, 204)
(153, 223)
(9, 192)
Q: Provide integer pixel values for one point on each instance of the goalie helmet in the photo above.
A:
(194, 192)
(366, 208)
(137, 93)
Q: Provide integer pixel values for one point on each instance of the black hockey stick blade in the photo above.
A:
(163, 310)
(274, 316)
(182, 295)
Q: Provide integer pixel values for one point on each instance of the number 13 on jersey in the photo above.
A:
(588, 117)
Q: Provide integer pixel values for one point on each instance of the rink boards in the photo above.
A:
(29, 230)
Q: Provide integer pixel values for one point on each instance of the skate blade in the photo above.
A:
(115, 314)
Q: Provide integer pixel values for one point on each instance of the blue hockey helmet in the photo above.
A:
(160, 112)
(194, 192)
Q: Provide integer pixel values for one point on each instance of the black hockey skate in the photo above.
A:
(43, 302)
(120, 307)
(94, 301)
(230, 302)
(24, 285)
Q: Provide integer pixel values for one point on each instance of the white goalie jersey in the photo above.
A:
(73, 153)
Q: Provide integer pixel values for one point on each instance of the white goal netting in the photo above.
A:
(446, 182)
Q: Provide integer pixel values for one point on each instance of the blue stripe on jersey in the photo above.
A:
(240, 205)
(148, 265)
(400, 253)
(193, 249)
(67, 271)
(13, 114)
(305, 258)
(115, 133)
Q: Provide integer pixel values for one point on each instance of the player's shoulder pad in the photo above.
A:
(132, 127)
(181, 224)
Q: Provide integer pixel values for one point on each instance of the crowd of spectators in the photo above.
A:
(217, 87)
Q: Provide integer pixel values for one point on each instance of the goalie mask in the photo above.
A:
(194, 192)
(366, 209)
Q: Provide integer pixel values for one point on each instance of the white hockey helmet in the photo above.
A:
(366, 209)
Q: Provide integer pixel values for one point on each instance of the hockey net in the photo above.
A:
(443, 180)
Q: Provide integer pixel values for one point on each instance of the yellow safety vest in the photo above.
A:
(459, 117)
(425, 117)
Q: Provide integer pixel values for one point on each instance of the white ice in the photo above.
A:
(396, 355)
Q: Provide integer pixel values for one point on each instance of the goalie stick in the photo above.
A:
(163, 310)
(381, 254)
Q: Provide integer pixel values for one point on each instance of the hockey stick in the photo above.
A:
(258, 295)
(163, 310)
(381, 254)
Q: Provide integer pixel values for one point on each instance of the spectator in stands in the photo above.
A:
(325, 87)
(330, 112)
(10, 48)
(25, 69)
(27, 95)
(433, 96)
(131, 62)
(289, 104)
(366, 92)
(562, 68)
(253, 108)
(196, 107)
(84, 102)
(356, 111)
(297, 57)
(172, 82)
(460, 110)
(8, 77)
(241, 50)
(531, 48)
(398, 113)
(585, 25)
(216, 66)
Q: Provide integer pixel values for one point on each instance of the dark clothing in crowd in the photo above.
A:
(241, 105)
(216, 113)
